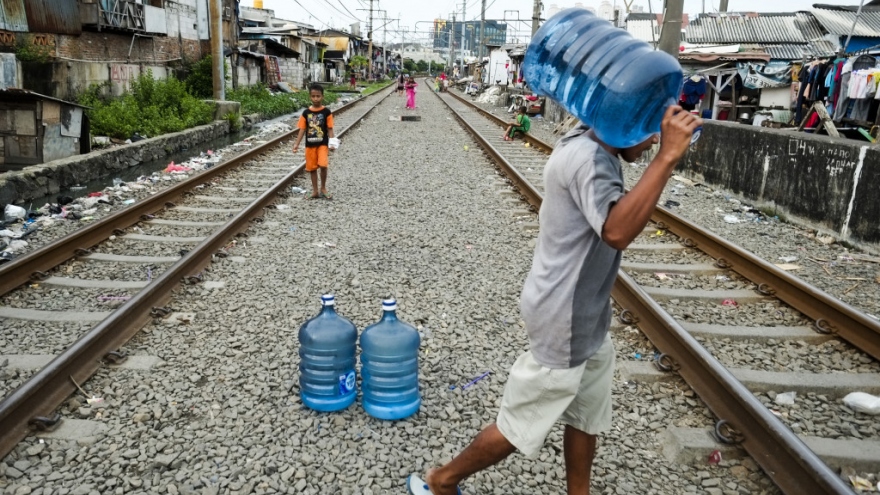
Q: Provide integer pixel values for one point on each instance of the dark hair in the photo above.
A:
(316, 87)
(522, 109)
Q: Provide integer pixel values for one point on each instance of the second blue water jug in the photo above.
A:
(327, 342)
(390, 366)
(614, 83)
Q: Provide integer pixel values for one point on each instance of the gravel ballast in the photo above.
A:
(416, 216)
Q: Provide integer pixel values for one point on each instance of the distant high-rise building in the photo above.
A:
(495, 33)
(606, 11)
(638, 9)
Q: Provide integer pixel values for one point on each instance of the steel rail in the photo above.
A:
(20, 270)
(781, 454)
(29, 406)
(830, 315)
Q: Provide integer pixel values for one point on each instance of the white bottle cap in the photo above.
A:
(389, 304)
(328, 300)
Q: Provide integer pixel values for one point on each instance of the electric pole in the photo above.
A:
(670, 36)
(463, 34)
(370, 46)
(723, 7)
(217, 50)
(536, 17)
(452, 43)
(482, 31)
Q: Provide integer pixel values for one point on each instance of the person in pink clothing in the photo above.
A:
(411, 93)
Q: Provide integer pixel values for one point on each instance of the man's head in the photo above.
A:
(316, 94)
(633, 153)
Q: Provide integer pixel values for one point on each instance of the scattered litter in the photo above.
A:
(715, 457)
(662, 276)
(786, 399)
(129, 202)
(787, 266)
(826, 240)
(171, 168)
(862, 402)
(659, 233)
(13, 213)
(95, 401)
(684, 181)
(729, 302)
(788, 259)
(637, 355)
(319, 244)
(297, 190)
(670, 203)
(861, 484)
(118, 182)
(722, 278)
(282, 207)
(732, 219)
(475, 380)
(77, 188)
(466, 147)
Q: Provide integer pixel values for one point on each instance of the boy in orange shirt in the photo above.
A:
(316, 124)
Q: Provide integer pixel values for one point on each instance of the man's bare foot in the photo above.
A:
(438, 486)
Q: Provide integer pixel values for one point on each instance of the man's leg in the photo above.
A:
(489, 448)
(580, 448)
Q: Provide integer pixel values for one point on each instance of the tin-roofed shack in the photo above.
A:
(35, 128)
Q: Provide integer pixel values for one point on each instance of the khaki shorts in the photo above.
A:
(535, 397)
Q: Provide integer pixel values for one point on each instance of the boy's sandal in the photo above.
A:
(415, 486)
(319, 196)
(326, 196)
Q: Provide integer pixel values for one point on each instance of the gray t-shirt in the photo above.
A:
(565, 301)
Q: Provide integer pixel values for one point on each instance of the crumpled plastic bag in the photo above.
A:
(862, 402)
(12, 213)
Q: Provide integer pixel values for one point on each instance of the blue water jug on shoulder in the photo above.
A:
(616, 84)
(327, 342)
(390, 366)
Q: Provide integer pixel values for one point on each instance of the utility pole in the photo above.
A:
(463, 34)
(723, 7)
(370, 46)
(670, 36)
(217, 50)
(482, 30)
(536, 17)
(452, 43)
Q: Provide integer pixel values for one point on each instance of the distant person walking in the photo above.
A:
(401, 81)
(316, 125)
(411, 93)
(353, 81)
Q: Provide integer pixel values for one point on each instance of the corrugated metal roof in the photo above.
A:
(643, 29)
(797, 27)
(839, 22)
(13, 16)
(53, 16)
(795, 51)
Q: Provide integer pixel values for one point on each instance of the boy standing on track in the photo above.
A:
(316, 124)
(587, 219)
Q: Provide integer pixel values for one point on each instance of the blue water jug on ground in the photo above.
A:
(614, 83)
(327, 379)
(390, 366)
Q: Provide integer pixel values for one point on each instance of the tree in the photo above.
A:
(422, 66)
(359, 62)
(410, 66)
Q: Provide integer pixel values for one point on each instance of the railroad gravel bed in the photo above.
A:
(38, 337)
(791, 356)
(223, 415)
(720, 281)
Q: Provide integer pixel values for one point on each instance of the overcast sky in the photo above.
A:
(322, 13)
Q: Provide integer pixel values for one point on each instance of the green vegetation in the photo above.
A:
(258, 99)
(27, 51)
(152, 107)
(200, 81)
(234, 120)
(359, 62)
(372, 88)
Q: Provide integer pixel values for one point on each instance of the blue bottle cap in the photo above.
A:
(328, 300)
(389, 304)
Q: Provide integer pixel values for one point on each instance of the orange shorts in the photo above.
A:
(318, 156)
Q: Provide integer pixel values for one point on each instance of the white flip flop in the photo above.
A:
(416, 486)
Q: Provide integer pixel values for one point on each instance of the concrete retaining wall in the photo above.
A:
(827, 181)
(52, 177)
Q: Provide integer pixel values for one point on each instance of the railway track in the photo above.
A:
(116, 274)
(681, 321)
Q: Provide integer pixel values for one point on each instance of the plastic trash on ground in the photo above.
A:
(786, 399)
(12, 213)
(862, 402)
(732, 219)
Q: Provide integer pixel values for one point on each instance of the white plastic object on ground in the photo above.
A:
(13, 213)
(862, 402)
